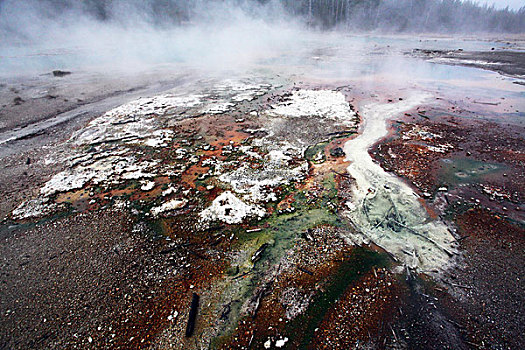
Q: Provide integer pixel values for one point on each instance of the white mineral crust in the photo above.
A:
(230, 209)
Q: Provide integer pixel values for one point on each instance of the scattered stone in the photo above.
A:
(147, 185)
(257, 255)
(60, 73)
(193, 315)
(337, 152)
(281, 342)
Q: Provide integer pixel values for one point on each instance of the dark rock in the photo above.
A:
(337, 152)
(192, 316)
(60, 73)
(257, 255)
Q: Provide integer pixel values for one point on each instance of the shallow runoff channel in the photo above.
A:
(384, 209)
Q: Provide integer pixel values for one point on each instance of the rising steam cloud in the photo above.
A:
(129, 34)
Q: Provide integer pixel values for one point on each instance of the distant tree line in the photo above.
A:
(451, 16)
(408, 15)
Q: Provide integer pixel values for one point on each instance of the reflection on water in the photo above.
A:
(466, 170)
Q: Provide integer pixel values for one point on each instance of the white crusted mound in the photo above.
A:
(169, 206)
(145, 121)
(33, 208)
(230, 209)
(135, 121)
(321, 103)
(100, 171)
(257, 184)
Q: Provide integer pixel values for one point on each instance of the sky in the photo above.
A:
(512, 4)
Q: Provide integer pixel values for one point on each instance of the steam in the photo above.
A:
(133, 35)
(216, 35)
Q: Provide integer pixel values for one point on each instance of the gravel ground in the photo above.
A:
(99, 279)
(65, 282)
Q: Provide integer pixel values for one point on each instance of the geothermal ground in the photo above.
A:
(343, 199)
